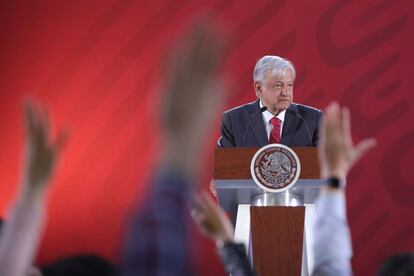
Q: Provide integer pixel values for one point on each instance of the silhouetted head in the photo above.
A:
(80, 265)
(398, 265)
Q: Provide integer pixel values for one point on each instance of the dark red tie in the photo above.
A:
(275, 133)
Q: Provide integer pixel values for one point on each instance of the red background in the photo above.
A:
(96, 63)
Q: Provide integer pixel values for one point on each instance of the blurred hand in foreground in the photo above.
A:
(194, 95)
(41, 153)
(211, 220)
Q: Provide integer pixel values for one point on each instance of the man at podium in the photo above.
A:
(273, 117)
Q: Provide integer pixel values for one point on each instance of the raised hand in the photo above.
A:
(41, 153)
(193, 96)
(20, 235)
(211, 220)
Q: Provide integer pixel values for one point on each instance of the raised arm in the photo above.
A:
(22, 229)
(159, 237)
(337, 154)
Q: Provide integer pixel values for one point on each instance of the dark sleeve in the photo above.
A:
(227, 138)
(157, 242)
(234, 258)
(316, 133)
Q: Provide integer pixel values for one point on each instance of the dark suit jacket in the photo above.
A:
(243, 126)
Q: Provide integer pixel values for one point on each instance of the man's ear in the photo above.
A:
(258, 88)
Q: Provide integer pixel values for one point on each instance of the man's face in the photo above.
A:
(276, 92)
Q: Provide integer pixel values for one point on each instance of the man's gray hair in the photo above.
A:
(271, 63)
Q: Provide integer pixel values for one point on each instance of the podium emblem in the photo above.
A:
(275, 168)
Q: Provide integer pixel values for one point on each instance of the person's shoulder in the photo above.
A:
(306, 112)
(305, 109)
(248, 107)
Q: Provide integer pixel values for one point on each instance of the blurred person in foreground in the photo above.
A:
(159, 237)
(22, 229)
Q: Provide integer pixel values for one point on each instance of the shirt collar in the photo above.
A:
(267, 116)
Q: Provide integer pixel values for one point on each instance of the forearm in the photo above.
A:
(332, 244)
(20, 235)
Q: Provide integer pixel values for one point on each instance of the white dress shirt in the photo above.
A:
(267, 116)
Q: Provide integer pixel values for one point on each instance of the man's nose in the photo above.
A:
(285, 91)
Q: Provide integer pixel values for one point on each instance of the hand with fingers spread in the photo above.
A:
(40, 153)
(211, 220)
(337, 153)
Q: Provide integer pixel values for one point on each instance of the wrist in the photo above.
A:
(333, 185)
(32, 195)
(185, 162)
(339, 173)
(335, 182)
(221, 241)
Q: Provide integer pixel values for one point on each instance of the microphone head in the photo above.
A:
(263, 109)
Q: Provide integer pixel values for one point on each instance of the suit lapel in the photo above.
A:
(259, 130)
(289, 126)
(257, 126)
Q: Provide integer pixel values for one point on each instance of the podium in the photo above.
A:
(275, 228)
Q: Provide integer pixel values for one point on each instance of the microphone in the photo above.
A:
(306, 126)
